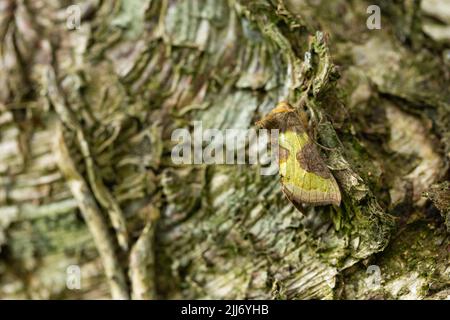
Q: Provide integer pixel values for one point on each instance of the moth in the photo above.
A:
(305, 178)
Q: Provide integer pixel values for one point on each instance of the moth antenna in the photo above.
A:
(322, 146)
(313, 113)
(303, 103)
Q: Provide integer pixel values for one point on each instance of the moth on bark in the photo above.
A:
(305, 178)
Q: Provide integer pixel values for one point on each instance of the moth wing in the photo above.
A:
(302, 186)
(292, 199)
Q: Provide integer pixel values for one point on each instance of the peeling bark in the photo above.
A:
(86, 175)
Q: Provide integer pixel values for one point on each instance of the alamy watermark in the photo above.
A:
(73, 17)
(73, 277)
(229, 146)
(373, 281)
(374, 20)
(73, 20)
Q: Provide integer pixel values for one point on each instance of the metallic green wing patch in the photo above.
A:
(305, 177)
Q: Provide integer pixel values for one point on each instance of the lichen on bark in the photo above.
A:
(86, 175)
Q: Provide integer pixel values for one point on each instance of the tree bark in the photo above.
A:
(86, 176)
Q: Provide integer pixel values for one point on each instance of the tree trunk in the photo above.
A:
(88, 186)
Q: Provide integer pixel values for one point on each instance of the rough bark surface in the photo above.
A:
(86, 176)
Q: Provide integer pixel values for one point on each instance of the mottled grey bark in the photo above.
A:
(86, 175)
